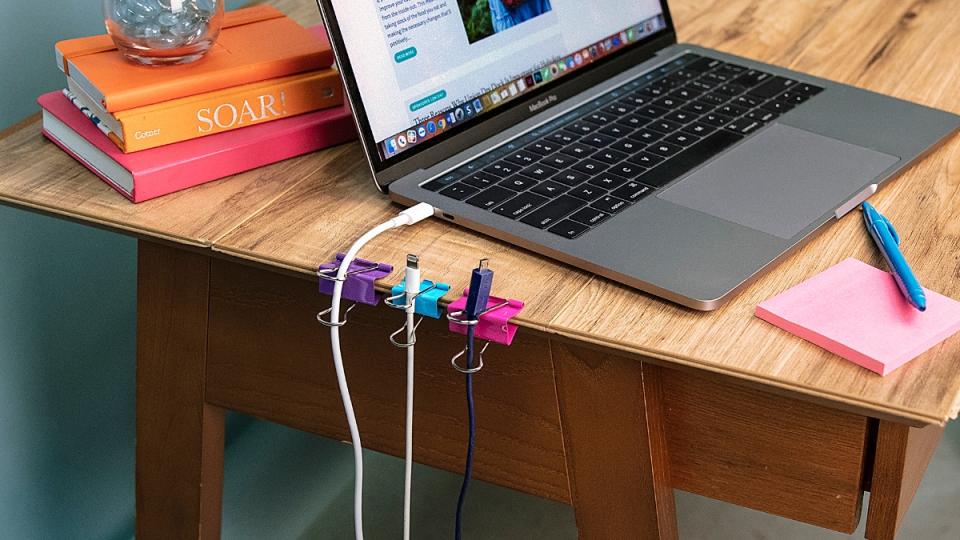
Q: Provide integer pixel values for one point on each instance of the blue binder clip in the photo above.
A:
(426, 302)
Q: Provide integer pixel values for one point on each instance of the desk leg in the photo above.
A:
(616, 452)
(179, 438)
(902, 456)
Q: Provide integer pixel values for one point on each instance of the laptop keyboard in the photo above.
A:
(575, 172)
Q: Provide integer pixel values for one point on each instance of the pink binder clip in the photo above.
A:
(494, 322)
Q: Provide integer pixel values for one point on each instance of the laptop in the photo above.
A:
(584, 132)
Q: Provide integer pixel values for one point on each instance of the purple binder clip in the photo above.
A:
(359, 284)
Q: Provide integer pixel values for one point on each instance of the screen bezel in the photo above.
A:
(436, 149)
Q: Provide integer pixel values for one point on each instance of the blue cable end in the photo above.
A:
(481, 283)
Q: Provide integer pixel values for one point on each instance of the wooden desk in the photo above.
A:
(609, 399)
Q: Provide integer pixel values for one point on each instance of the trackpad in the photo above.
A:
(780, 181)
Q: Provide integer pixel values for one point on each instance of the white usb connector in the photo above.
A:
(415, 214)
(411, 281)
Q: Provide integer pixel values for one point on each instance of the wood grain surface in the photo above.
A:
(751, 448)
(36, 174)
(296, 214)
(614, 439)
(180, 438)
(903, 454)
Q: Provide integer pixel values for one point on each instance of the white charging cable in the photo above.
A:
(412, 288)
(409, 216)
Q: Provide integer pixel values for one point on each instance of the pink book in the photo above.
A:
(141, 176)
(857, 311)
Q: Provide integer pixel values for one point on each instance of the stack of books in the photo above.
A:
(265, 92)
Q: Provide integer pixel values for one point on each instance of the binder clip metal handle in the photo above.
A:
(390, 301)
(454, 317)
(330, 274)
(329, 323)
(413, 336)
(469, 371)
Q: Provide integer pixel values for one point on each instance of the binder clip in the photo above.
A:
(359, 284)
(493, 324)
(426, 302)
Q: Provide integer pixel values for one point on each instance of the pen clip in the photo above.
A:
(874, 220)
(891, 228)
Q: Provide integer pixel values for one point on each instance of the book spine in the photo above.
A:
(87, 112)
(120, 189)
(226, 110)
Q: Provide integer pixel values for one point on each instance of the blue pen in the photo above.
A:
(888, 241)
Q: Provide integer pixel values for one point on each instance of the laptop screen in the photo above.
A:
(427, 68)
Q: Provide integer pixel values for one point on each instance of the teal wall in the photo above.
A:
(28, 31)
(67, 295)
(67, 317)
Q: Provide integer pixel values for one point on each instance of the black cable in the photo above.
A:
(481, 282)
(468, 467)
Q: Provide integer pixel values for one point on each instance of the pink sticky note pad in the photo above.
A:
(856, 311)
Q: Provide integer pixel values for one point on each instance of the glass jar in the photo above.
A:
(163, 31)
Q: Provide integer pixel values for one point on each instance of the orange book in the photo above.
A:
(191, 117)
(255, 44)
